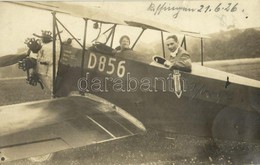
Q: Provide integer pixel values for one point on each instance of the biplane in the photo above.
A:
(99, 95)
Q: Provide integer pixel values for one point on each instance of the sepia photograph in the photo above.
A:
(130, 82)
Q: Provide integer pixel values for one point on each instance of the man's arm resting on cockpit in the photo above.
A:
(183, 63)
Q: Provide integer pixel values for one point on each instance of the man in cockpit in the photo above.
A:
(179, 58)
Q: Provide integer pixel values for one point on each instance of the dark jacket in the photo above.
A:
(181, 61)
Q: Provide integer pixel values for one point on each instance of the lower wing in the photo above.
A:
(43, 127)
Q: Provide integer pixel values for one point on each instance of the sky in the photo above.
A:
(18, 22)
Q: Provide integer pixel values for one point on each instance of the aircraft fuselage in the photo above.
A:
(197, 103)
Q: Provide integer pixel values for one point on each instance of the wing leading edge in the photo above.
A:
(44, 127)
(101, 15)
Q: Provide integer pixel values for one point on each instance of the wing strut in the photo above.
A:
(183, 43)
(143, 29)
(83, 50)
(202, 51)
(57, 28)
(163, 44)
(69, 33)
(54, 53)
(110, 33)
(113, 35)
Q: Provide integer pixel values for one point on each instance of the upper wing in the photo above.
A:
(99, 14)
(82, 11)
(149, 24)
(42, 127)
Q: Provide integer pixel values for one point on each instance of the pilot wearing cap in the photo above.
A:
(179, 58)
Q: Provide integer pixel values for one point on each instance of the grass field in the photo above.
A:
(249, 68)
(18, 91)
(153, 149)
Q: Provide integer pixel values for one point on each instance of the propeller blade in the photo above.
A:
(12, 59)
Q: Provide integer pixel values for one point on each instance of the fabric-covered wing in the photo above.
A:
(99, 14)
(76, 10)
(38, 128)
(150, 24)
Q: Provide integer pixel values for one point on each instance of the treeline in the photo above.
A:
(234, 44)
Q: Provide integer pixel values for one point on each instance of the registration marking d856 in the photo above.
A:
(106, 64)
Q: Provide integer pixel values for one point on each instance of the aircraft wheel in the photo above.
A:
(41, 158)
(234, 124)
